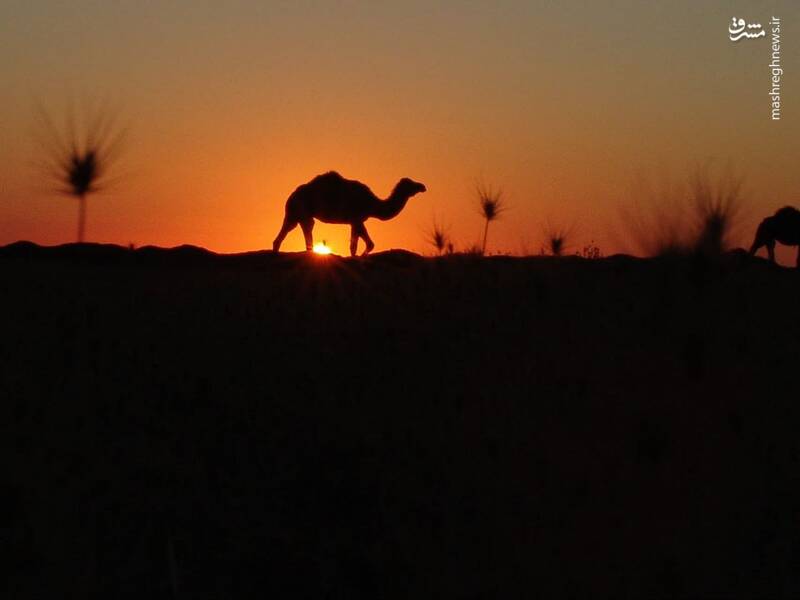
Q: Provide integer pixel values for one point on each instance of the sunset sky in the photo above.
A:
(233, 104)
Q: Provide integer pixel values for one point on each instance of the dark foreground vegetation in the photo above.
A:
(177, 424)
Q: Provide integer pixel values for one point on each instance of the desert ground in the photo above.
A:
(181, 424)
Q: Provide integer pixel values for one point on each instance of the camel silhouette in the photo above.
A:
(783, 227)
(333, 199)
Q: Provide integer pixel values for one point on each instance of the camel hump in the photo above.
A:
(325, 184)
(333, 183)
(331, 177)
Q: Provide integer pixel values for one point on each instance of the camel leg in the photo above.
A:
(353, 239)
(362, 233)
(308, 227)
(771, 251)
(288, 225)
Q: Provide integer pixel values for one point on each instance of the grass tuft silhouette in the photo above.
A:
(717, 205)
(439, 237)
(492, 204)
(556, 239)
(700, 216)
(654, 218)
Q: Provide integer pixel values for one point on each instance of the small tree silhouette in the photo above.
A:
(492, 205)
(78, 156)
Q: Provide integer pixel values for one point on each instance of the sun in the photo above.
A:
(321, 248)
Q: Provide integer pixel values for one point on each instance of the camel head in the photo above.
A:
(406, 188)
(764, 235)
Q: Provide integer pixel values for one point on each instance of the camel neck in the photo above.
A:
(390, 208)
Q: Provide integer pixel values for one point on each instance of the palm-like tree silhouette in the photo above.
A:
(78, 156)
(492, 204)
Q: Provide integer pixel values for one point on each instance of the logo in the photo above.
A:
(738, 30)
